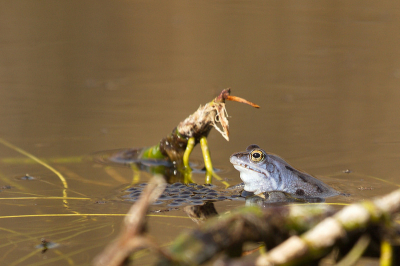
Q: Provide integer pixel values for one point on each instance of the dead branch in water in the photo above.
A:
(170, 157)
(294, 234)
(178, 146)
(283, 230)
(196, 126)
(317, 242)
(228, 233)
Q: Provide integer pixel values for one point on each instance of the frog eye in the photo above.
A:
(257, 156)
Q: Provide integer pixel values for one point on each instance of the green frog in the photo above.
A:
(265, 172)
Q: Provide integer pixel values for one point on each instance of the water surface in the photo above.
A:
(86, 76)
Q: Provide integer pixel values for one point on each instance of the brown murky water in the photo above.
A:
(85, 76)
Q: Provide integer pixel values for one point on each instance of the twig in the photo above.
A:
(356, 252)
(319, 241)
(229, 232)
(132, 236)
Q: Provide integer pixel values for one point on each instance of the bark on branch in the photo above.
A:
(319, 241)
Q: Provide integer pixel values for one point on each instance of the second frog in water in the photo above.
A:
(265, 172)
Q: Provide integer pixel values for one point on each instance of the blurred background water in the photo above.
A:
(78, 77)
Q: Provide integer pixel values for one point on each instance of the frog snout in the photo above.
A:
(237, 157)
(233, 157)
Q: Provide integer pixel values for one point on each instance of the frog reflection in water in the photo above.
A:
(265, 172)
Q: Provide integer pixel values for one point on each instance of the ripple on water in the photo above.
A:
(179, 200)
(184, 196)
(133, 189)
(135, 194)
(209, 197)
(164, 197)
(196, 198)
(196, 202)
(202, 191)
(174, 204)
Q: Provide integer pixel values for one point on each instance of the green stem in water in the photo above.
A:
(208, 164)
(188, 151)
(207, 159)
(356, 252)
(386, 254)
(187, 175)
(152, 153)
(206, 155)
(136, 174)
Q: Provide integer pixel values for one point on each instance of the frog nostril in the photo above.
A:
(300, 192)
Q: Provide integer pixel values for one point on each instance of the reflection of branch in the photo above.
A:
(200, 213)
(132, 236)
(319, 241)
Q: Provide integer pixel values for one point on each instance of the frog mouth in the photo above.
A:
(248, 168)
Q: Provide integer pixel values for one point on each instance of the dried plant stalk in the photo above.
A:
(198, 125)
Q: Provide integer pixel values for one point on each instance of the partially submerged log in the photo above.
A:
(298, 234)
(228, 233)
(274, 225)
(317, 242)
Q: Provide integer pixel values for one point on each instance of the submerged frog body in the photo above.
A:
(266, 172)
